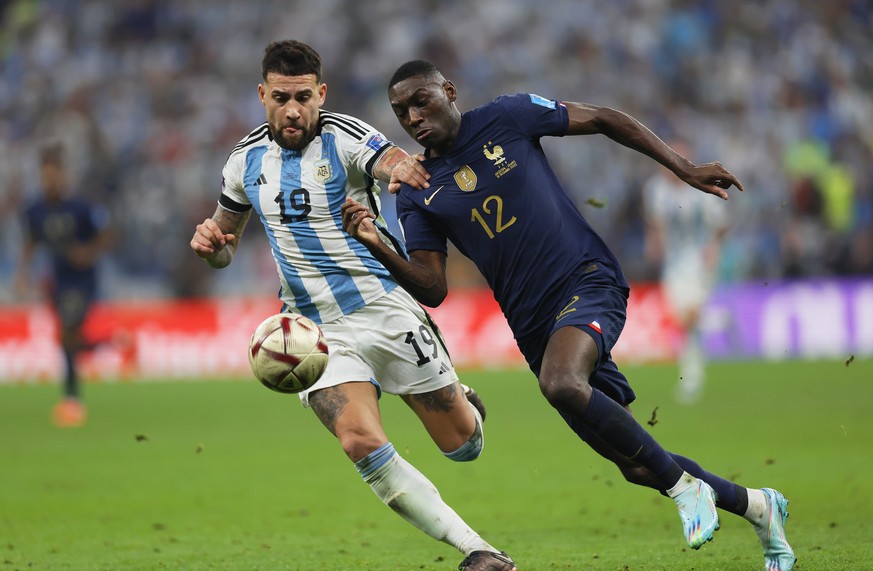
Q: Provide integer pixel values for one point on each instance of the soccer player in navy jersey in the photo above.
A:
(75, 234)
(294, 172)
(493, 194)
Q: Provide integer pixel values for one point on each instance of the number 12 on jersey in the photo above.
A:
(499, 225)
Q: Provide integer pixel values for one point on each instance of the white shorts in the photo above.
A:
(391, 343)
(687, 286)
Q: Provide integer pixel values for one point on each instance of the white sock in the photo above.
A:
(409, 493)
(685, 482)
(692, 363)
(757, 511)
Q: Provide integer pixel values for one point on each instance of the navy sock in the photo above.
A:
(71, 382)
(731, 497)
(610, 422)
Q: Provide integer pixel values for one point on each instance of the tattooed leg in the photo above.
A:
(449, 419)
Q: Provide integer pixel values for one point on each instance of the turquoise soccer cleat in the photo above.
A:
(697, 511)
(778, 555)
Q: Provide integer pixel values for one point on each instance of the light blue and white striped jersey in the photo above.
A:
(324, 273)
(691, 220)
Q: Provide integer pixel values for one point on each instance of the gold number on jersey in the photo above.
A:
(499, 226)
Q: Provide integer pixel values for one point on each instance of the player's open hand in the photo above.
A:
(410, 171)
(358, 222)
(712, 178)
(209, 239)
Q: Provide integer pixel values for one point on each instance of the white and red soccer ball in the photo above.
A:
(288, 353)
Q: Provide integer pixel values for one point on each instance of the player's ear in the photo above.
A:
(262, 93)
(450, 91)
(322, 93)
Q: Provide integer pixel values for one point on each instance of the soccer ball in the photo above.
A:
(288, 353)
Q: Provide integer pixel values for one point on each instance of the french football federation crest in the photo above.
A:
(495, 154)
(466, 179)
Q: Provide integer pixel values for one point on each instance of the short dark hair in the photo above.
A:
(415, 68)
(290, 57)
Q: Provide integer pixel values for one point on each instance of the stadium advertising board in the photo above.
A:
(203, 339)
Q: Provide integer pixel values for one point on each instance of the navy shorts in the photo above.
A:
(600, 311)
(72, 304)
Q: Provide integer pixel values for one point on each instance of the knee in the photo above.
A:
(359, 443)
(564, 387)
(640, 476)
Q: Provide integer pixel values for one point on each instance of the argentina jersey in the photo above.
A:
(324, 273)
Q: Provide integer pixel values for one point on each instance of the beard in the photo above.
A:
(295, 142)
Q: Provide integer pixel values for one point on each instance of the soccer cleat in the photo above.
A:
(487, 561)
(778, 555)
(69, 413)
(475, 400)
(698, 514)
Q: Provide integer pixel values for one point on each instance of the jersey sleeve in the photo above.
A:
(360, 144)
(536, 116)
(418, 231)
(233, 192)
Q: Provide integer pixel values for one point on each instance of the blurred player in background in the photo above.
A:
(493, 194)
(75, 234)
(295, 171)
(684, 235)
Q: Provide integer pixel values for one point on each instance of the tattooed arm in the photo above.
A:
(216, 239)
(395, 166)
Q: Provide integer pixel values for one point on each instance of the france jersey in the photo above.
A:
(61, 224)
(324, 273)
(496, 198)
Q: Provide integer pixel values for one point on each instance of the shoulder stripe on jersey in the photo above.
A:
(352, 133)
(255, 135)
(347, 124)
(230, 204)
(352, 122)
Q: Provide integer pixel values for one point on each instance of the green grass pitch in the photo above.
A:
(230, 476)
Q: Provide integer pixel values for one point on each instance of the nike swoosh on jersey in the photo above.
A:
(429, 198)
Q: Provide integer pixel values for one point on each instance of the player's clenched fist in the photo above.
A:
(209, 239)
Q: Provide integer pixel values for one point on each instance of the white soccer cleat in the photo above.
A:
(698, 514)
(778, 555)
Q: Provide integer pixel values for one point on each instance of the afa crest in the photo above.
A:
(466, 179)
(323, 172)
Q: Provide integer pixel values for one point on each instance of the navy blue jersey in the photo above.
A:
(57, 225)
(496, 198)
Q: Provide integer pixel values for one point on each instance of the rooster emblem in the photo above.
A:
(495, 154)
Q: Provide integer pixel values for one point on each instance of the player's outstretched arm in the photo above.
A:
(587, 119)
(396, 166)
(423, 275)
(216, 238)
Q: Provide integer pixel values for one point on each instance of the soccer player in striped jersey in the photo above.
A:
(295, 172)
(684, 234)
(493, 194)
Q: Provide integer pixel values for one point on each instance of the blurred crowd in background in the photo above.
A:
(149, 96)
